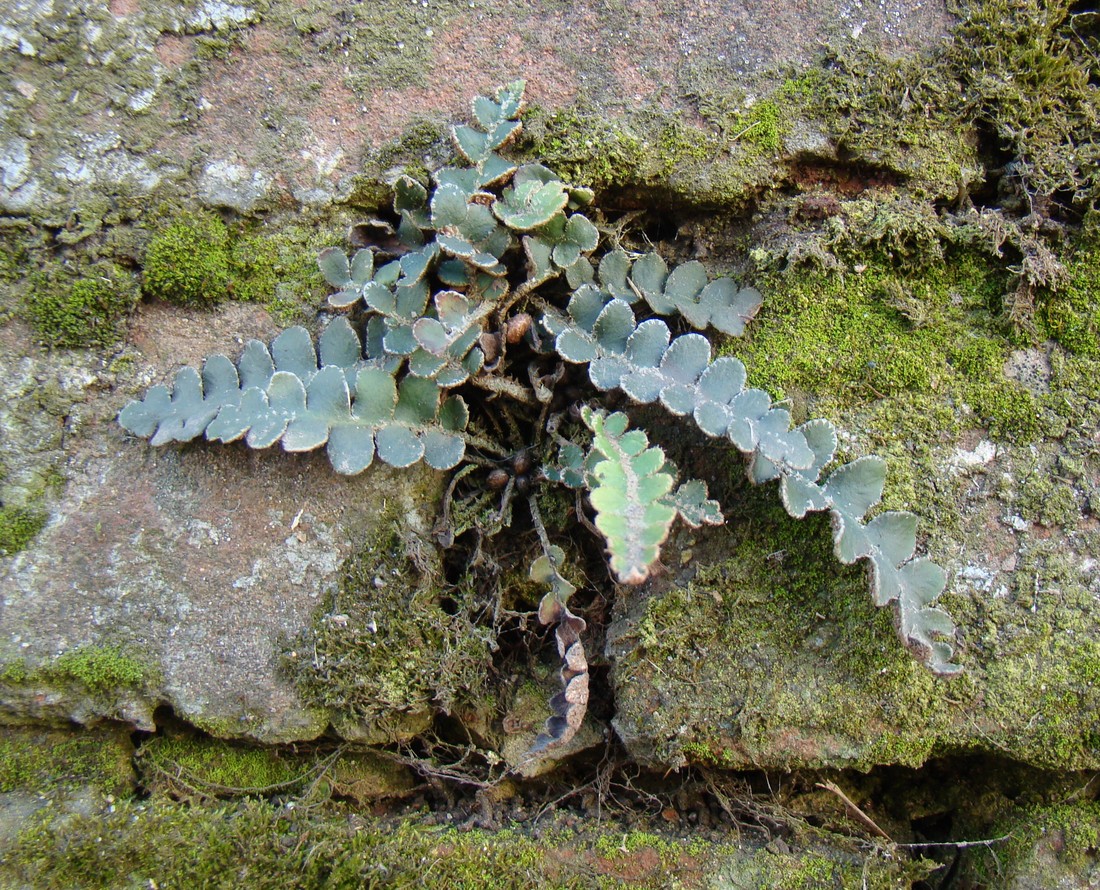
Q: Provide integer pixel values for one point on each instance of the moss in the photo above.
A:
(724, 164)
(256, 844)
(1046, 500)
(904, 116)
(977, 358)
(90, 310)
(755, 124)
(787, 650)
(1045, 845)
(278, 269)
(421, 140)
(1009, 409)
(1030, 75)
(1035, 648)
(14, 673)
(188, 262)
(187, 765)
(584, 147)
(98, 669)
(251, 842)
(383, 650)
(219, 45)
(18, 527)
(901, 341)
(838, 335)
(764, 126)
(1071, 314)
(41, 761)
(367, 777)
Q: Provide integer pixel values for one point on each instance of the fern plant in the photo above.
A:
(462, 336)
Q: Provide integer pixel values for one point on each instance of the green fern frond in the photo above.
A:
(630, 487)
(306, 399)
(645, 362)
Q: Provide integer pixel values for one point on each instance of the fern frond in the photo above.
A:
(631, 489)
(649, 365)
(293, 394)
(687, 290)
(569, 706)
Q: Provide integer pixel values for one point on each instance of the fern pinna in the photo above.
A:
(491, 291)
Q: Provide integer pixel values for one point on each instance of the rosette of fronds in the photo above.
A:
(459, 325)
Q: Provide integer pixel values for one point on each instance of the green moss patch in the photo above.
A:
(188, 261)
(183, 846)
(585, 147)
(877, 335)
(95, 670)
(18, 527)
(1071, 314)
(40, 761)
(769, 655)
(257, 844)
(76, 311)
(383, 651)
(1045, 845)
(186, 766)
(1029, 68)
(99, 669)
(278, 269)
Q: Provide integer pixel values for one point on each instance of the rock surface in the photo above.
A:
(194, 566)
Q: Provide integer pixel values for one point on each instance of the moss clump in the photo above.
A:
(1040, 657)
(18, 527)
(839, 336)
(279, 269)
(584, 147)
(39, 762)
(785, 645)
(383, 649)
(189, 261)
(1071, 314)
(977, 358)
(1009, 409)
(897, 339)
(192, 765)
(252, 843)
(1046, 846)
(98, 669)
(1030, 73)
(72, 312)
(899, 117)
